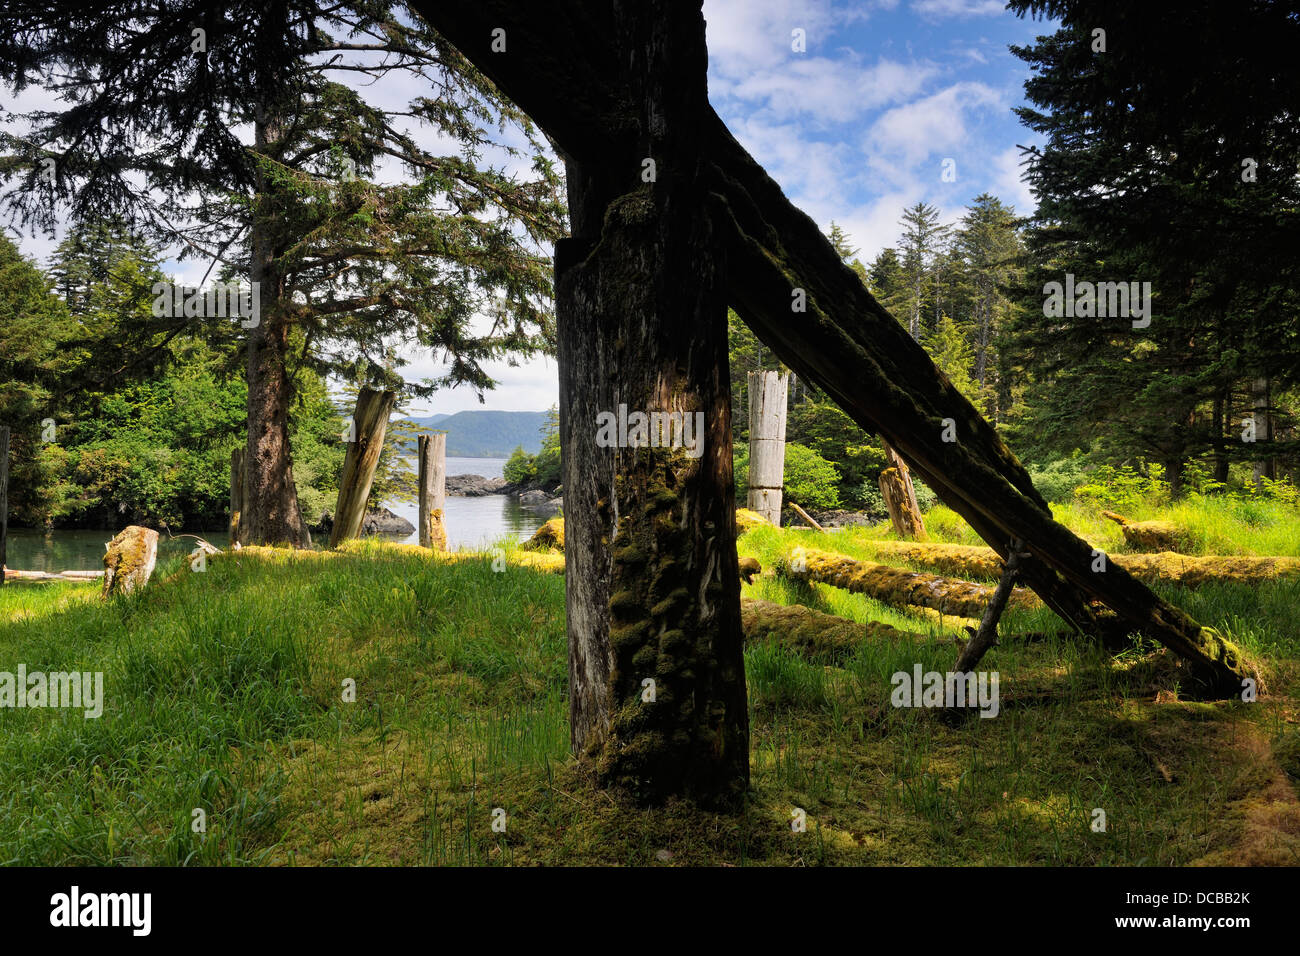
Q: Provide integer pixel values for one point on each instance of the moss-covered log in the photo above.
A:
(972, 561)
(1151, 535)
(565, 73)
(818, 636)
(549, 537)
(896, 586)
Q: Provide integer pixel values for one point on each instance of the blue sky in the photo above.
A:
(854, 129)
(858, 127)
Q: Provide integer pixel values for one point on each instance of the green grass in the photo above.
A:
(225, 692)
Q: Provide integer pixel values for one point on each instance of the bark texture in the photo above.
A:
(656, 667)
(900, 498)
(237, 473)
(271, 514)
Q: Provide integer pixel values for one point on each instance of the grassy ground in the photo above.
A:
(226, 693)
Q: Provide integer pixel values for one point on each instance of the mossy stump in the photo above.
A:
(129, 560)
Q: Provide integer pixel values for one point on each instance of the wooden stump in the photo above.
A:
(900, 498)
(130, 560)
(767, 397)
(371, 419)
(433, 490)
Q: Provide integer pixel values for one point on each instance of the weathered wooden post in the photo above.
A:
(4, 500)
(900, 498)
(371, 422)
(236, 492)
(433, 490)
(767, 395)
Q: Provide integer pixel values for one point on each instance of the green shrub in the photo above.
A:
(810, 480)
(521, 468)
(1057, 480)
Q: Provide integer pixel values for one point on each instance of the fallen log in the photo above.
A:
(896, 586)
(814, 634)
(1151, 535)
(1168, 567)
(12, 574)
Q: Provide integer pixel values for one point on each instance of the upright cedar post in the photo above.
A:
(236, 492)
(767, 402)
(4, 500)
(433, 490)
(371, 422)
(656, 663)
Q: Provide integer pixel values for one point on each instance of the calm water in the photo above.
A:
(471, 523)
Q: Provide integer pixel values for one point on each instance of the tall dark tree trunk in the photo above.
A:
(657, 684)
(1222, 401)
(1265, 465)
(271, 513)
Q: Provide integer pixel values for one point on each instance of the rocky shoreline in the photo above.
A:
(541, 500)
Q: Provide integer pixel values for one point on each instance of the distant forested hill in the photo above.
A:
(484, 434)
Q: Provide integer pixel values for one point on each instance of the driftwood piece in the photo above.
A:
(15, 575)
(895, 586)
(433, 490)
(806, 517)
(129, 560)
(371, 421)
(559, 71)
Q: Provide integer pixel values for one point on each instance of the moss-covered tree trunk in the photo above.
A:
(657, 692)
(271, 514)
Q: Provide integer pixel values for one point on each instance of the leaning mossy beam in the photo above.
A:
(562, 70)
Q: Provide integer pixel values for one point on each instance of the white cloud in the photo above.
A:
(833, 90)
(1007, 182)
(937, 9)
(935, 126)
